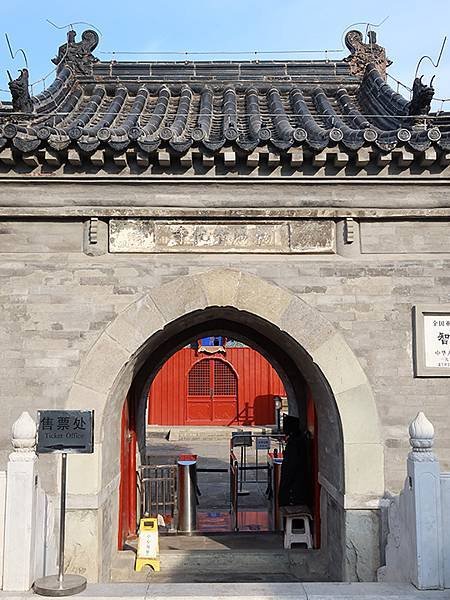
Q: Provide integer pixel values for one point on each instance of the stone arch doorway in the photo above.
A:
(272, 317)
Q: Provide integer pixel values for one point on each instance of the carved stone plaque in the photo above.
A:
(312, 237)
(432, 340)
(149, 236)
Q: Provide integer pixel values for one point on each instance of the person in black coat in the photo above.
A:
(295, 483)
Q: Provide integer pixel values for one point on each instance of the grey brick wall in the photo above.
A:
(55, 301)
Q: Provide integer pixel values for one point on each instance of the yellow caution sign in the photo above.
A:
(148, 545)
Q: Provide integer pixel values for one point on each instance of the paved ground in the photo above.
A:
(251, 591)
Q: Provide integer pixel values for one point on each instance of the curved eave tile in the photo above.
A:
(444, 142)
(214, 146)
(26, 144)
(59, 141)
(149, 145)
(282, 144)
(419, 141)
(246, 144)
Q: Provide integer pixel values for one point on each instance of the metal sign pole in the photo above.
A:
(61, 585)
(62, 518)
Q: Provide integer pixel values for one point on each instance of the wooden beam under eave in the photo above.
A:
(383, 160)
(73, 157)
(186, 160)
(253, 160)
(404, 157)
(163, 158)
(120, 160)
(7, 157)
(207, 161)
(31, 160)
(362, 157)
(273, 160)
(340, 159)
(142, 159)
(429, 157)
(444, 159)
(296, 156)
(229, 159)
(320, 159)
(98, 158)
(52, 158)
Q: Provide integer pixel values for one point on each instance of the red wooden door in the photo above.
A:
(211, 393)
(127, 488)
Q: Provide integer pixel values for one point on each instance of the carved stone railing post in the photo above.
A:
(21, 484)
(2, 521)
(426, 516)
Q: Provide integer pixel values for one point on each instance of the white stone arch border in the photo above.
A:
(108, 365)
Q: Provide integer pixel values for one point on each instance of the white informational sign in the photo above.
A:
(148, 544)
(431, 340)
(262, 443)
(437, 340)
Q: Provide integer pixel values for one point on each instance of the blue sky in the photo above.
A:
(413, 28)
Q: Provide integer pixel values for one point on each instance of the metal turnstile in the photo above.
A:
(187, 496)
(275, 463)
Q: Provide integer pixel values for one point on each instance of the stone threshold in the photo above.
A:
(251, 591)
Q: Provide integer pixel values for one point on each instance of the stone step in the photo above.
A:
(225, 565)
(181, 433)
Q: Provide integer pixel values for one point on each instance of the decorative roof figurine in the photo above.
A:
(78, 55)
(363, 54)
(420, 104)
(21, 99)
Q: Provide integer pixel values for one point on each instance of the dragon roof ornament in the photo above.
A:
(363, 54)
(78, 55)
(420, 104)
(20, 94)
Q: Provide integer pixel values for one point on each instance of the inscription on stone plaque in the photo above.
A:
(312, 237)
(437, 340)
(149, 236)
(432, 340)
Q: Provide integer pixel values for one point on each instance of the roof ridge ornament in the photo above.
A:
(20, 93)
(363, 54)
(78, 55)
(420, 105)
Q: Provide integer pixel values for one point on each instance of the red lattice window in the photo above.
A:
(224, 379)
(199, 379)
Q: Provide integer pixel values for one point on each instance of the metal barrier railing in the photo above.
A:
(242, 467)
(234, 483)
(259, 443)
(157, 486)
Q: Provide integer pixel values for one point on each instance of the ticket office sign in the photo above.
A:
(432, 341)
(68, 431)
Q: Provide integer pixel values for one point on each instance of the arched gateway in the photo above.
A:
(300, 340)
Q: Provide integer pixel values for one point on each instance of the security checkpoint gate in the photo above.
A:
(261, 445)
(169, 492)
(241, 469)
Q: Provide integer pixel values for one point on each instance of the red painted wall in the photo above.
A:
(257, 380)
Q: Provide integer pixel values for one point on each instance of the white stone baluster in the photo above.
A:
(426, 515)
(21, 484)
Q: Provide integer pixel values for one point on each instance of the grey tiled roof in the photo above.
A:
(211, 106)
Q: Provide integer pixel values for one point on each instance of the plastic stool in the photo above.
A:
(297, 536)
